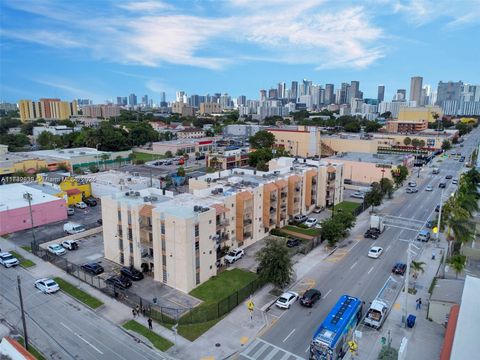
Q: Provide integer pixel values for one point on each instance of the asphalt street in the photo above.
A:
(355, 274)
(61, 327)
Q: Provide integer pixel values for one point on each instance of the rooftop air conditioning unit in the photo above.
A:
(127, 193)
(137, 193)
(61, 151)
(220, 190)
(146, 199)
(82, 152)
(71, 151)
(195, 208)
(136, 174)
(153, 198)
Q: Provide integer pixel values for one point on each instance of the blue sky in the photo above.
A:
(100, 49)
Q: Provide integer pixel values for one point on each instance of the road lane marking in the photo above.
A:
(388, 248)
(308, 348)
(291, 332)
(81, 338)
(353, 265)
(369, 271)
(66, 327)
(328, 292)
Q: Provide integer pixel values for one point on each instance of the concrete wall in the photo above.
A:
(19, 219)
(351, 145)
(438, 311)
(363, 172)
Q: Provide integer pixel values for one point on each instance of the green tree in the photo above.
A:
(260, 158)
(168, 154)
(386, 185)
(346, 219)
(399, 174)
(181, 171)
(118, 160)
(332, 230)
(104, 158)
(446, 145)
(353, 126)
(372, 126)
(417, 267)
(458, 262)
(142, 133)
(15, 142)
(262, 140)
(275, 263)
(375, 196)
(421, 143)
(407, 141)
(386, 115)
(63, 167)
(415, 142)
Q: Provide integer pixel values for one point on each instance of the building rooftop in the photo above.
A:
(468, 325)
(448, 290)
(118, 178)
(186, 141)
(11, 196)
(387, 159)
(46, 189)
(67, 153)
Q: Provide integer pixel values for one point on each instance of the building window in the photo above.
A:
(122, 259)
(164, 271)
(119, 213)
(129, 217)
(164, 248)
(120, 244)
(130, 235)
(131, 260)
(119, 230)
(197, 230)
(197, 245)
(150, 237)
(197, 278)
(162, 228)
(130, 246)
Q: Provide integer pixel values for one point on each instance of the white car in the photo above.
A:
(81, 205)
(73, 228)
(70, 244)
(375, 252)
(56, 249)
(412, 184)
(311, 222)
(234, 255)
(358, 195)
(429, 188)
(286, 299)
(454, 181)
(8, 260)
(47, 286)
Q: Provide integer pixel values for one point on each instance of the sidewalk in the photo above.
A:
(112, 310)
(424, 340)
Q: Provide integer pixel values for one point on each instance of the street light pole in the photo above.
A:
(27, 196)
(439, 216)
(25, 335)
(407, 278)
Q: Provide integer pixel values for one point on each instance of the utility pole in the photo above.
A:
(25, 335)
(439, 216)
(27, 196)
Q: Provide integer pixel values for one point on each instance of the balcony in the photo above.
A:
(146, 253)
(296, 199)
(272, 222)
(283, 194)
(273, 198)
(314, 181)
(247, 221)
(247, 235)
(223, 222)
(224, 236)
(297, 188)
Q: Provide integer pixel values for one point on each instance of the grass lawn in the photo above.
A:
(347, 206)
(223, 285)
(27, 248)
(159, 342)
(147, 157)
(25, 263)
(309, 232)
(78, 294)
(32, 350)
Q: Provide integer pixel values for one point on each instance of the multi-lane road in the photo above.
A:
(61, 327)
(353, 272)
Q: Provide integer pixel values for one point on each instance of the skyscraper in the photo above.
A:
(145, 100)
(263, 95)
(354, 90)
(281, 90)
(381, 93)
(132, 99)
(294, 91)
(241, 100)
(448, 91)
(401, 95)
(272, 94)
(163, 100)
(343, 93)
(416, 83)
(329, 94)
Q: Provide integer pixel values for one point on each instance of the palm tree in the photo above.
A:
(118, 159)
(457, 262)
(417, 267)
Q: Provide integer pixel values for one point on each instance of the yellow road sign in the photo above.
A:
(435, 230)
(250, 305)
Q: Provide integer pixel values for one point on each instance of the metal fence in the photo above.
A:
(167, 315)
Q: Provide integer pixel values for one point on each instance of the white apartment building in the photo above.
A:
(178, 240)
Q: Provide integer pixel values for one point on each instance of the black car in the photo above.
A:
(310, 297)
(200, 157)
(93, 268)
(429, 224)
(399, 268)
(119, 281)
(372, 234)
(437, 208)
(131, 273)
(442, 185)
(448, 177)
(90, 201)
(293, 242)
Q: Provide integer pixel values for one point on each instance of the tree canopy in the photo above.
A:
(262, 139)
(275, 263)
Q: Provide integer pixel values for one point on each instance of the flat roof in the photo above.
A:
(11, 196)
(386, 159)
(68, 153)
(448, 290)
(185, 141)
(116, 178)
(468, 325)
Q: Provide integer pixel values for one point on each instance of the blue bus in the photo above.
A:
(330, 341)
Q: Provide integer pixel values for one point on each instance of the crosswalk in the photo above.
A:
(262, 350)
(403, 223)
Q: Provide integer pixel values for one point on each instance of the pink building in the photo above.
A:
(14, 211)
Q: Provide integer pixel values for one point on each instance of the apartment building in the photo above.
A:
(419, 113)
(191, 133)
(210, 108)
(187, 146)
(49, 109)
(301, 141)
(227, 159)
(178, 240)
(406, 126)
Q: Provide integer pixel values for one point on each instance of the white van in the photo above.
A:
(73, 228)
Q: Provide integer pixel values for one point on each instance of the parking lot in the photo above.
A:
(87, 217)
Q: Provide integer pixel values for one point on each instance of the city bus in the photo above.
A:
(330, 341)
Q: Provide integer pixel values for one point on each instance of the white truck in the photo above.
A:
(382, 304)
(377, 222)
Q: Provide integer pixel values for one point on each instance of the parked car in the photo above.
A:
(358, 195)
(437, 208)
(399, 268)
(462, 159)
(8, 260)
(200, 157)
(430, 224)
(73, 228)
(119, 281)
(455, 181)
(300, 218)
(286, 299)
(90, 201)
(310, 297)
(131, 273)
(70, 244)
(423, 235)
(429, 188)
(311, 222)
(293, 242)
(234, 255)
(318, 210)
(372, 234)
(442, 185)
(375, 252)
(81, 205)
(47, 285)
(412, 184)
(70, 211)
(56, 249)
(411, 190)
(448, 177)
(93, 268)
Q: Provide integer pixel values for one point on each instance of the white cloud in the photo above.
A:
(145, 6)
(74, 90)
(43, 37)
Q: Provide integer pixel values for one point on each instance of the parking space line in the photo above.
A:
(328, 292)
(388, 248)
(308, 348)
(291, 332)
(353, 265)
(369, 271)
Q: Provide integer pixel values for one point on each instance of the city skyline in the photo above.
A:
(146, 47)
